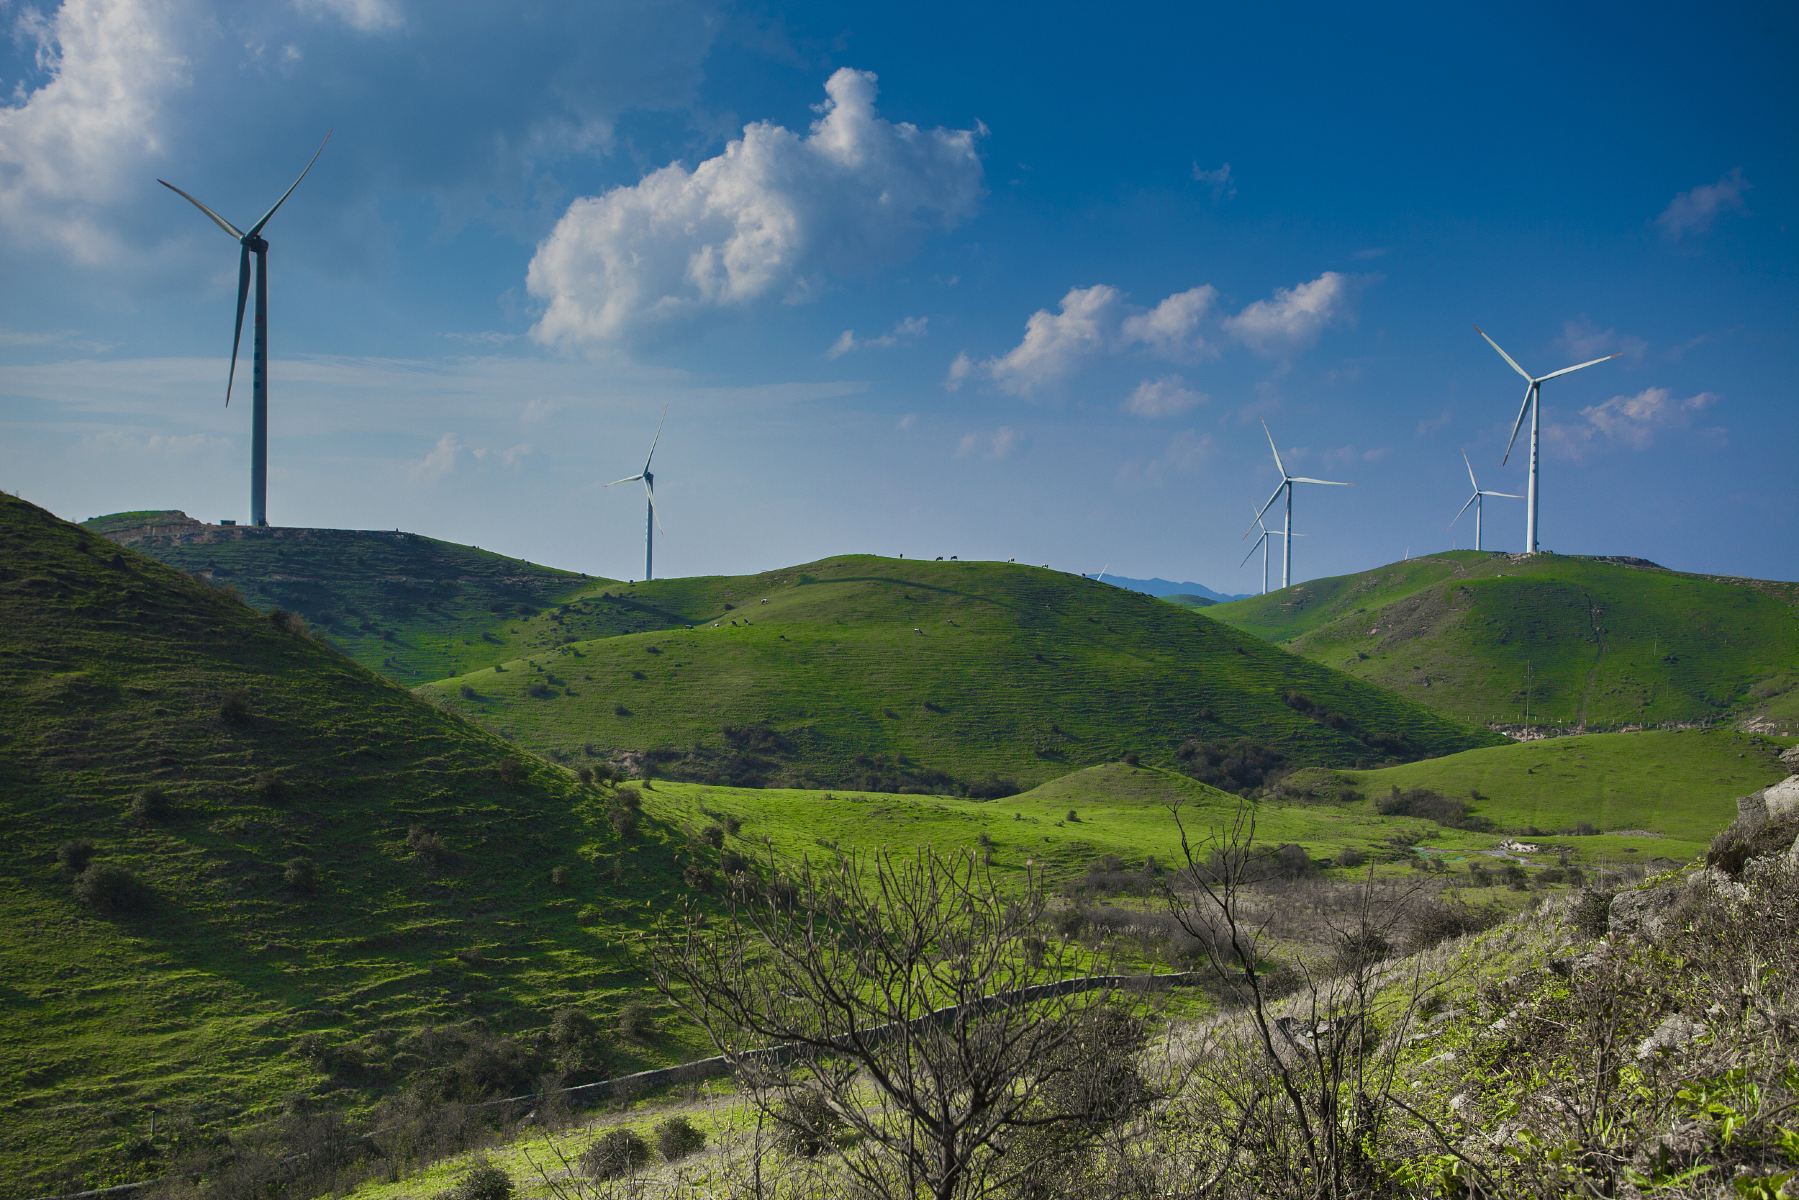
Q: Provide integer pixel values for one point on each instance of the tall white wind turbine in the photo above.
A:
(651, 522)
(1476, 499)
(1286, 489)
(1533, 401)
(253, 246)
(1262, 542)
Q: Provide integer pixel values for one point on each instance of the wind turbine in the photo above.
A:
(1286, 486)
(651, 522)
(1533, 400)
(1475, 500)
(251, 242)
(1262, 541)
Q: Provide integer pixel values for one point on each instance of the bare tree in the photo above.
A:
(900, 1014)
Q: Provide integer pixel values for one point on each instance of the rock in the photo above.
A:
(1793, 854)
(1641, 913)
(1563, 967)
(1674, 1033)
(1781, 800)
(1790, 758)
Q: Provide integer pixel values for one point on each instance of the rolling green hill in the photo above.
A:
(899, 675)
(411, 607)
(1548, 640)
(310, 849)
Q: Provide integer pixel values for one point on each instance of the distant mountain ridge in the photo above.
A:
(1165, 588)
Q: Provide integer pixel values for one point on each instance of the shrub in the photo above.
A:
(484, 1181)
(511, 771)
(678, 1137)
(427, 849)
(623, 819)
(733, 825)
(75, 854)
(1361, 947)
(1291, 861)
(1437, 920)
(301, 876)
(699, 878)
(1432, 806)
(635, 1021)
(1073, 816)
(151, 804)
(575, 1042)
(287, 622)
(1592, 913)
(110, 888)
(469, 693)
(805, 1123)
(713, 835)
(1235, 766)
(616, 1153)
(558, 876)
(273, 787)
(1351, 857)
(234, 707)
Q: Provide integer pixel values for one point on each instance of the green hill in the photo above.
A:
(222, 758)
(411, 607)
(1679, 786)
(897, 675)
(1548, 640)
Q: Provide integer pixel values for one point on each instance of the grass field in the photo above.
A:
(899, 675)
(121, 678)
(1548, 640)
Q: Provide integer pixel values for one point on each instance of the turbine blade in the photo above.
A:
(1265, 508)
(221, 222)
(257, 228)
(1529, 391)
(626, 479)
(1458, 512)
(1253, 547)
(1507, 495)
(1508, 358)
(654, 440)
(1470, 466)
(1577, 367)
(237, 335)
(1321, 482)
(1278, 465)
(650, 493)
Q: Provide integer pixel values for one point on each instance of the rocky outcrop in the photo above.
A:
(1767, 823)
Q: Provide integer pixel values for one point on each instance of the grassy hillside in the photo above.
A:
(411, 607)
(1548, 640)
(898, 675)
(221, 757)
(1680, 786)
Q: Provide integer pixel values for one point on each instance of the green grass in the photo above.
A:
(1548, 640)
(116, 674)
(1678, 786)
(410, 607)
(902, 675)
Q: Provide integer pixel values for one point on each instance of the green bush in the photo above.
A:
(616, 1153)
(110, 888)
(806, 1124)
(484, 1181)
(150, 805)
(636, 1022)
(75, 854)
(678, 1137)
(300, 875)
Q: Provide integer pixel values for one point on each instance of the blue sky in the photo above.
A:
(921, 279)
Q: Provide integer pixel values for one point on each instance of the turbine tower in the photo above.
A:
(1286, 488)
(1262, 542)
(1533, 401)
(1475, 500)
(651, 522)
(251, 242)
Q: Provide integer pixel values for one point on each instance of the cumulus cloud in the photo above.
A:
(1293, 317)
(1693, 211)
(368, 16)
(1630, 421)
(1218, 179)
(1168, 396)
(1171, 328)
(907, 330)
(77, 143)
(981, 444)
(438, 462)
(1087, 323)
(777, 213)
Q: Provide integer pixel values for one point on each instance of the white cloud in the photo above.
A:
(995, 445)
(908, 329)
(1583, 340)
(438, 462)
(1693, 211)
(1293, 317)
(776, 212)
(74, 145)
(1218, 179)
(1631, 421)
(1171, 328)
(368, 16)
(1168, 396)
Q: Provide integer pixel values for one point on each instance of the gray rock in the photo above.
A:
(1790, 758)
(1781, 800)
(1675, 1032)
(1641, 913)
